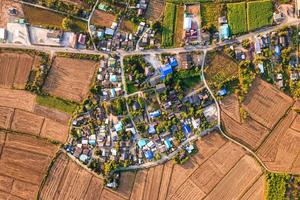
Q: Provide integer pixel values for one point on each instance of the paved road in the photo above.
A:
(89, 23)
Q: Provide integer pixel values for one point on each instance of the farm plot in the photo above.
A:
(280, 150)
(67, 180)
(169, 25)
(102, 18)
(259, 14)
(266, 104)
(70, 78)
(210, 12)
(227, 190)
(155, 9)
(45, 18)
(24, 162)
(178, 37)
(237, 17)
(249, 131)
(220, 68)
(5, 117)
(17, 99)
(15, 69)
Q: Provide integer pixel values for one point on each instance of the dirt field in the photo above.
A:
(281, 149)
(266, 104)
(249, 132)
(70, 78)
(5, 117)
(27, 122)
(230, 106)
(24, 162)
(15, 69)
(155, 9)
(5, 17)
(52, 114)
(221, 168)
(17, 99)
(128, 26)
(178, 36)
(103, 19)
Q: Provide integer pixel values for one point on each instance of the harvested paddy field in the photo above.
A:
(218, 169)
(102, 18)
(15, 69)
(17, 99)
(155, 9)
(24, 162)
(69, 78)
(247, 131)
(266, 104)
(280, 151)
(19, 112)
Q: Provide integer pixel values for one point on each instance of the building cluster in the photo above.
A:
(109, 77)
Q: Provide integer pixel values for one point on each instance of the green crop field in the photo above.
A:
(210, 12)
(168, 25)
(237, 17)
(259, 14)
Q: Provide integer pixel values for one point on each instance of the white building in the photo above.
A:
(2, 35)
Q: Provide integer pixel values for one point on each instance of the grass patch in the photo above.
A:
(178, 38)
(236, 15)
(48, 19)
(188, 78)
(57, 103)
(276, 184)
(168, 25)
(131, 88)
(259, 14)
(210, 12)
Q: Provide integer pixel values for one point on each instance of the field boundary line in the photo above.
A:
(12, 195)
(276, 126)
(42, 126)
(42, 184)
(160, 181)
(292, 165)
(1, 174)
(261, 175)
(4, 144)
(169, 180)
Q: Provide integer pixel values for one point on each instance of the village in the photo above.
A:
(117, 129)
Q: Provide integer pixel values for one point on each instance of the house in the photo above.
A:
(142, 143)
(151, 129)
(82, 39)
(168, 144)
(155, 114)
(165, 71)
(186, 130)
(257, 46)
(154, 80)
(277, 51)
(278, 17)
(103, 7)
(190, 148)
(224, 29)
(222, 20)
(84, 158)
(109, 31)
(135, 106)
(149, 155)
(187, 22)
(119, 126)
(2, 35)
(160, 88)
(222, 92)
(261, 68)
(55, 35)
(173, 62)
(294, 76)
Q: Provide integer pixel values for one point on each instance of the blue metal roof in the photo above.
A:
(155, 114)
(168, 143)
(186, 129)
(151, 129)
(173, 62)
(149, 155)
(142, 143)
(225, 31)
(222, 92)
(166, 70)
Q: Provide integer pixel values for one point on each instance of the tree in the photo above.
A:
(66, 23)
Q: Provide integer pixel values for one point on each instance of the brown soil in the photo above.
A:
(70, 78)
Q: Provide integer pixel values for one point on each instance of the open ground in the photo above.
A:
(216, 171)
(155, 9)
(70, 79)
